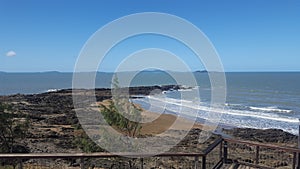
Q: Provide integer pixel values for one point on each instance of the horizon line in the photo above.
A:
(201, 71)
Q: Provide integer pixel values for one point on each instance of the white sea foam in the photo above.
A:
(178, 104)
(230, 116)
(270, 109)
(185, 90)
(52, 90)
(231, 104)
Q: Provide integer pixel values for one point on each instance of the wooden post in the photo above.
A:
(203, 162)
(142, 163)
(81, 163)
(294, 160)
(20, 164)
(221, 149)
(196, 162)
(225, 151)
(298, 162)
(257, 155)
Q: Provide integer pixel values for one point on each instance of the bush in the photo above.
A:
(12, 128)
(121, 113)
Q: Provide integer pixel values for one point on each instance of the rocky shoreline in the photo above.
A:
(53, 122)
(54, 125)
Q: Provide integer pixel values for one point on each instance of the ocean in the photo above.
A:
(255, 100)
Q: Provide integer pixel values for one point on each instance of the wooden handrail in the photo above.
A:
(203, 154)
(262, 145)
(92, 155)
(213, 145)
(294, 151)
(103, 155)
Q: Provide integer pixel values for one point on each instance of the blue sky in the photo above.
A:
(252, 35)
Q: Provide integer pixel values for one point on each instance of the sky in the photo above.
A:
(249, 35)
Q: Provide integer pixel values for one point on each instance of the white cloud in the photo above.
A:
(11, 53)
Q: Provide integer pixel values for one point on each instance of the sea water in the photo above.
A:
(254, 100)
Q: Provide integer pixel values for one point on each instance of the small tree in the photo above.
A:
(116, 118)
(121, 113)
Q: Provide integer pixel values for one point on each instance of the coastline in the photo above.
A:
(54, 124)
(249, 103)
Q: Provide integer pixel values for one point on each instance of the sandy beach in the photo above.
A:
(158, 123)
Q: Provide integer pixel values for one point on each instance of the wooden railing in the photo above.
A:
(223, 150)
(200, 160)
(260, 155)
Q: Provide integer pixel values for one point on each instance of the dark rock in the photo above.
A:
(52, 116)
(264, 136)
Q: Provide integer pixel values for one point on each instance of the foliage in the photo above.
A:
(121, 113)
(87, 145)
(83, 142)
(12, 128)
